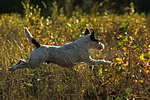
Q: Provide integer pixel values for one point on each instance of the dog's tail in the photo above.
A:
(30, 37)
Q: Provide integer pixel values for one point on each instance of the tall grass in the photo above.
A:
(128, 49)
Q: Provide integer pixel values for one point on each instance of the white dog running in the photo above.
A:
(65, 56)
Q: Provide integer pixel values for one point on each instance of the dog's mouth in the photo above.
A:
(101, 45)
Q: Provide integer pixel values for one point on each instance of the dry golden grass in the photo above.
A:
(128, 49)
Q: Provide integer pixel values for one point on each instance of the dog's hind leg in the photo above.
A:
(21, 64)
(18, 65)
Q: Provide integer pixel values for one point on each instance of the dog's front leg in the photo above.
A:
(99, 62)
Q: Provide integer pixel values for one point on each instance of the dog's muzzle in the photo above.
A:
(102, 46)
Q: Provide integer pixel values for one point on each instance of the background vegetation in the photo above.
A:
(126, 38)
(68, 6)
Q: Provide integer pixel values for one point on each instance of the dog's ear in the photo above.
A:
(86, 32)
(92, 36)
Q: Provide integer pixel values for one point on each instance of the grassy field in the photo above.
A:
(127, 47)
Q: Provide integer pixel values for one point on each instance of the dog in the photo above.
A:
(66, 55)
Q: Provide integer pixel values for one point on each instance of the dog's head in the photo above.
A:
(94, 43)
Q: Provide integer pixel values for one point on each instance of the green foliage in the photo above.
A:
(128, 49)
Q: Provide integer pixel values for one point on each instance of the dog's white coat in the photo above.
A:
(65, 56)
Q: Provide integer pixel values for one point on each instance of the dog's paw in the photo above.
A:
(11, 69)
(109, 63)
